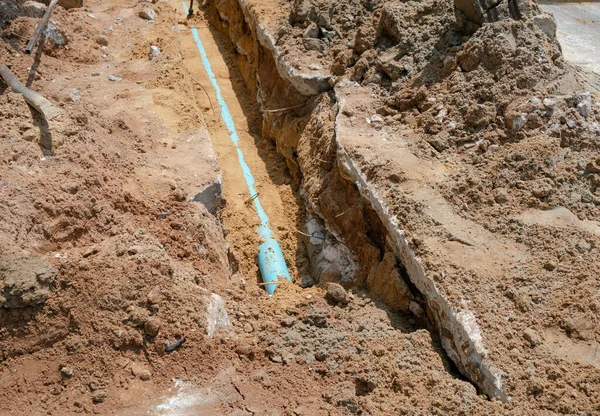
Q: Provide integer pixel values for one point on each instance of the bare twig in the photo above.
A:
(40, 27)
(252, 198)
(205, 92)
(272, 283)
(279, 110)
(311, 236)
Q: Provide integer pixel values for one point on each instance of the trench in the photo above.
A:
(328, 228)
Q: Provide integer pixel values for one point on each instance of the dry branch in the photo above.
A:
(32, 98)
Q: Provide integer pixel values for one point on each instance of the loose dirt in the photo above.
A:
(121, 294)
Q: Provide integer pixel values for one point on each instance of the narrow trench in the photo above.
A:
(274, 186)
(275, 163)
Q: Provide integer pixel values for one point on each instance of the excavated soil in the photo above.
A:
(120, 293)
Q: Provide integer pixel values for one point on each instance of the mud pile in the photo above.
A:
(464, 149)
(103, 261)
(442, 166)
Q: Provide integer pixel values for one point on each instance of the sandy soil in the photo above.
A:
(476, 148)
(107, 264)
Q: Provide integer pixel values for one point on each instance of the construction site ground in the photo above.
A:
(435, 191)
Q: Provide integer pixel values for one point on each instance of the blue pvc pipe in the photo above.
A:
(270, 257)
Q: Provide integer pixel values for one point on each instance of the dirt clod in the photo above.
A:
(336, 293)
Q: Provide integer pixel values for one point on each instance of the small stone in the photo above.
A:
(173, 345)
(34, 9)
(315, 45)
(115, 78)
(336, 293)
(288, 322)
(535, 102)
(501, 195)
(276, 358)
(516, 122)
(546, 23)
(532, 337)
(91, 251)
(154, 52)
(307, 281)
(248, 328)
(102, 40)
(311, 32)
(152, 326)
(549, 103)
(585, 107)
(140, 372)
(320, 355)
(99, 396)
(376, 119)
(66, 372)
(550, 265)
(147, 13)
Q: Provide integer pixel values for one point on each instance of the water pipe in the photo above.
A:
(270, 257)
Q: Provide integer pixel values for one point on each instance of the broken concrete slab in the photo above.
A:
(455, 309)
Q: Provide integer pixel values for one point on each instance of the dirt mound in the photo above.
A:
(467, 152)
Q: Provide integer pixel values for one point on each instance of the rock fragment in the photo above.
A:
(501, 195)
(585, 106)
(336, 293)
(34, 9)
(140, 372)
(307, 281)
(154, 52)
(152, 326)
(549, 103)
(102, 40)
(532, 337)
(315, 45)
(147, 13)
(546, 23)
(66, 372)
(173, 345)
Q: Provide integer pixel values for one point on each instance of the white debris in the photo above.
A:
(147, 13)
(154, 52)
(216, 315)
